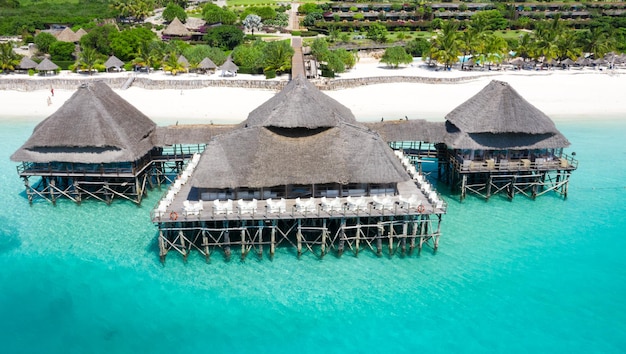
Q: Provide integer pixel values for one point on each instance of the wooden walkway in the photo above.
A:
(297, 61)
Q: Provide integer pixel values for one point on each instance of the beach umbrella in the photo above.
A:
(27, 63)
(599, 61)
(567, 61)
(207, 64)
(582, 61)
(517, 61)
(229, 67)
(183, 61)
(46, 65)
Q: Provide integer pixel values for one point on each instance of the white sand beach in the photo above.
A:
(562, 94)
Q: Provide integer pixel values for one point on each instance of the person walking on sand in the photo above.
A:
(52, 91)
(49, 101)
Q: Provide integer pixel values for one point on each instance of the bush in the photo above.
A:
(296, 33)
(248, 70)
(270, 74)
(31, 72)
(309, 33)
(328, 73)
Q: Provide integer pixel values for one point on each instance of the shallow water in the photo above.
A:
(523, 276)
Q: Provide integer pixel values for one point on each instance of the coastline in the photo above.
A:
(561, 94)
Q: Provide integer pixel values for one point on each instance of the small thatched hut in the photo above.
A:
(229, 68)
(26, 64)
(47, 67)
(95, 139)
(67, 35)
(207, 66)
(176, 30)
(184, 62)
(113, 64)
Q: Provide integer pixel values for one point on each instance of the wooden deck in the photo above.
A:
(175, 211)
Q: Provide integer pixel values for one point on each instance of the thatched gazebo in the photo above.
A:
(80, 33)
(95, 145)
(184, 62)
(207, 66)
(46, 67)
(176, 30)
(229, 68)
(498, 130)
(113, 64)
(27, 64)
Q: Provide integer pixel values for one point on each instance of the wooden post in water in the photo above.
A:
(273, 239)
(358, 236)
(299, 238)
(162, 249)
(390, 238)
(405, 231)
(324, 232)
(244, 252)
(342, 237)
(379, 239)
(260, 242)
(226, 241)
(205, 245)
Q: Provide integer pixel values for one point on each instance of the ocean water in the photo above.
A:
(516, 277)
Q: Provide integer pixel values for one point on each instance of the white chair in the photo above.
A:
(276, 207)
(356, 204)
(247, 207)
(305, 206)
(331, 205)
(222, 208)
(380, 204)
(409, 202)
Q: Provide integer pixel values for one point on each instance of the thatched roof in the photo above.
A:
(206, 64)
(189, 133)
(300, 104)
(113, 62)
(229, 65)
(95, 125)
(67, 35)
(409, 130)
(183, 61)
(300, 136)
(80, 33)
(497, 118)
(46, 65)
(176, 28)
(498, 108)
(257, 157)
(27, 63)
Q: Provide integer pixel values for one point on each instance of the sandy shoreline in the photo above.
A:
(562, 94)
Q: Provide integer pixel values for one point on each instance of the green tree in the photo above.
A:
(348, 58)
(496, 48)
(417, 47)
(252, 22)
(212, 13)
(446, 47)
(277, 56)
(319, 48)
(125, 44)
(8, 59)
(310, 19)
(148, 55)
(62, 51)
(249, 56)
(224, 37)
(525, 46)
(377, 32)
(87, 59)
(492, 19)
(196, 53)
(98, 38)
(394, 56)
(597, 41)
(172, 65)
(43, 41)
(308, 8)
(173, 11)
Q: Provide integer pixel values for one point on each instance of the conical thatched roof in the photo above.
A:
(260, 157)
(27, 63)
(113, 62)
(46, 65)
(67, 35)
(498, 118)
(300, 136)
(206, 64)
(183, 61)
(498, 108)
(300, 104)
(80, 33)
(176, 28)
(95, 125)
(229, 66)
(567, 61)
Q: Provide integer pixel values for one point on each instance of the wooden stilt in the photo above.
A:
(244, 252)
(324, 235)
(273, 239)
(342, 237)
(299, 237)
(379, 239)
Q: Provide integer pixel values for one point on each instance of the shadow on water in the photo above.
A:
(9, 236)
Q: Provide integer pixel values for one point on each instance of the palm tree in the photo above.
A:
(525, 46)
(8, 59)
(148, 55)
(446, 46)
(172, 65)
(495, 49)
(566, 47)
(598, 42)
(469, 41)
(88, 58)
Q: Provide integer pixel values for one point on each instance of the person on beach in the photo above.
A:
(52, 91)
(49, 101)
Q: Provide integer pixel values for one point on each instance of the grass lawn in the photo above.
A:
(263, 2)
(24, 3)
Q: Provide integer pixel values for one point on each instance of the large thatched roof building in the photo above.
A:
(497, 118)
(176, 30)
(298, 137)
(95, 125)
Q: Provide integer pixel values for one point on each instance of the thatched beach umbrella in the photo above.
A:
(229, 68)
(518, 61)
(27, 63)
(498, 117)
(207, 65)
(80, 33)
(95, 125)
(582, 61)
(183, 61)
(113, 63)
(46, 66)
(567, 61)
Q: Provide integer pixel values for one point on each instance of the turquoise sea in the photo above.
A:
(525, 276)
